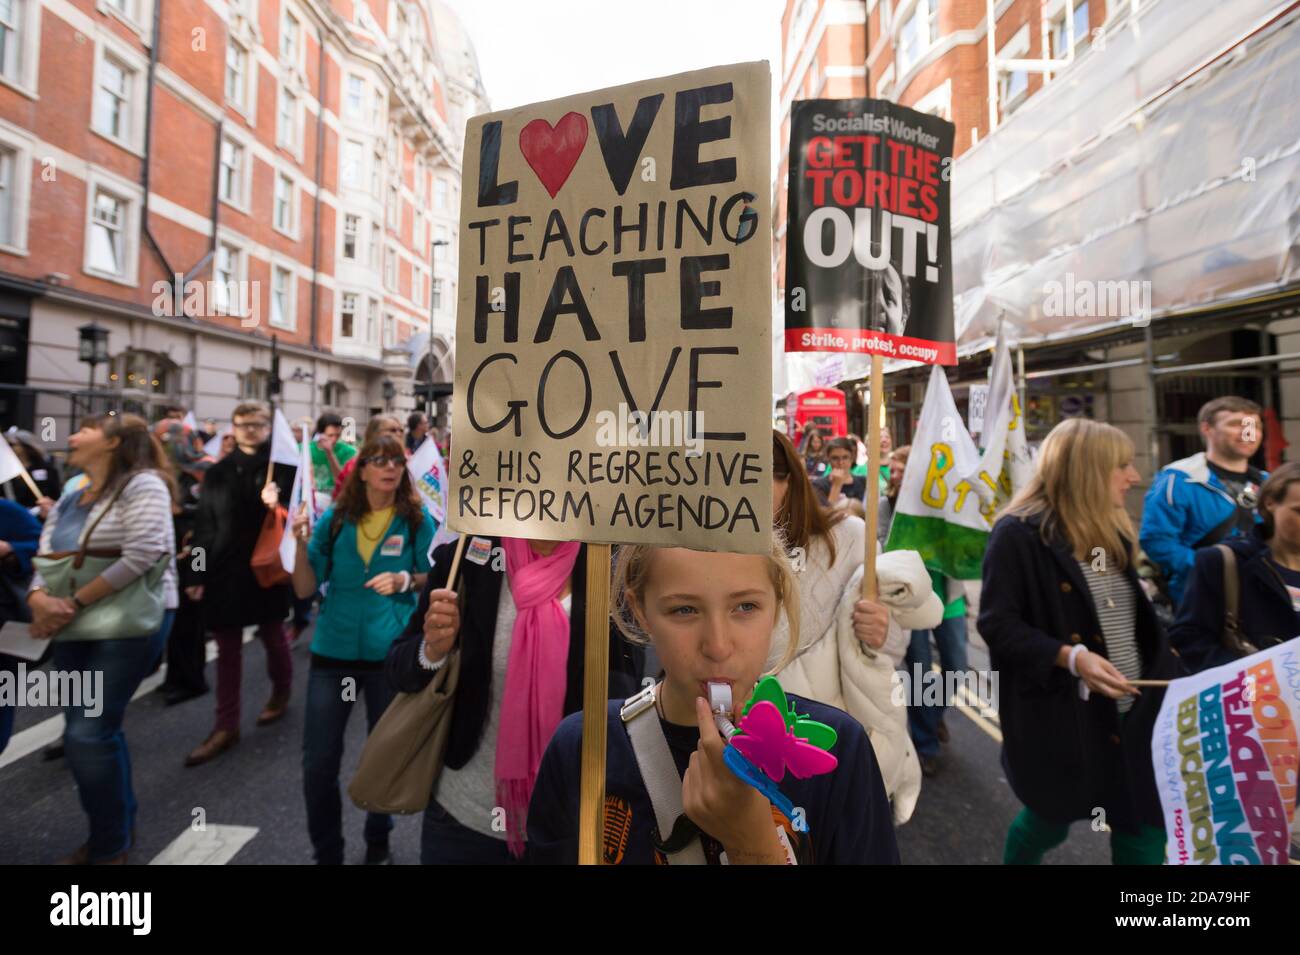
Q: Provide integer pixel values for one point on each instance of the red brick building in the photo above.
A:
(198, 176)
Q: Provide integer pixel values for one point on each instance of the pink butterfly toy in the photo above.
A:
(766, 738)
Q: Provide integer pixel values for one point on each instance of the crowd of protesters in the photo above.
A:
(151, 549)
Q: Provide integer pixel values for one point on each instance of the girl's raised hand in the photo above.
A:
(720, 803)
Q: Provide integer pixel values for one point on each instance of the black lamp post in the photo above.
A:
(433, 278)
(92, 348)
(390, 392)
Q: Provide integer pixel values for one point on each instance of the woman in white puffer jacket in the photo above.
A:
(849, 647)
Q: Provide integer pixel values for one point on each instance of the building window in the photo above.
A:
(394, 208)
(112, 114)
(348, 315)
(437, 295)
(225, 278)
(375, 245)
(283, 213)
(1014, 85)
(918, 33)
(351, 227)
(390, 330)
(236, 70)
(286, 133)
(440, 193)
(11, 12)
(139, 370)
(335, 394)
(231, 177)
(417, 231)
(289, 34)
(376, 173)
(8, 202)
(107, 238)
(390, 270)
(372, 320)
(282, 286)
(394, 150)
(417, 285)
(354, 96)
(378, 110)
(440, 233)
(352, 158)
(255, 384)
(1082, 35)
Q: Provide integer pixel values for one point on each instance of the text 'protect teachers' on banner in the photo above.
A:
(613, 334)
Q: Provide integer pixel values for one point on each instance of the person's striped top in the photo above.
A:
(1116, 607)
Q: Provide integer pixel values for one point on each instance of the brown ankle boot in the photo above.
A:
(212, 747)
(274, 709)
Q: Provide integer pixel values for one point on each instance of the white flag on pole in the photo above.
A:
(190, 421)
(303, 490)
(213, 448)
(284, 449)
(1005, 465)
(430, 478)
(10, 466)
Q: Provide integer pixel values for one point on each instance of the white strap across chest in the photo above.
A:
(658, 771)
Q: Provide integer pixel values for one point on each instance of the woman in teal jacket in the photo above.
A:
(370, 554)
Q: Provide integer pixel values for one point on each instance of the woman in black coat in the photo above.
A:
(1067, 627)
(1268, 584)
(470, 828)
(233, 503)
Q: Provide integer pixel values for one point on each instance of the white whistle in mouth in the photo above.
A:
(720, 705)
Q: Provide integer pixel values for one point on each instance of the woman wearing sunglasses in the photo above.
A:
(370, 550)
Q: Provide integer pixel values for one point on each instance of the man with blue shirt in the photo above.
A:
(1209, 497)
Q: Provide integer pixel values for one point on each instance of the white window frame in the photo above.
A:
(27, 48)
(356, 238)
(291, 310)
(130, 194)
(374, 324)
(293, 58)
(377, 173)
(292, 230)
(348, 111)
(20, 189)
(245, 184)
(293, 142)
(441, 193)
(105, 47)
(358, 181)
(390, 268)
(1015, 48)
(240, 101)
(929, 19)
(937, 102)
(375, 247)
(137, 16)
(235, 308)
(389, 334)
(358, 300)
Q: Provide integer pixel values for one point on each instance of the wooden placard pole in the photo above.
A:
(871, 498)
(595, 703)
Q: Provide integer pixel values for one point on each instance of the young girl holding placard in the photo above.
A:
(710, 617)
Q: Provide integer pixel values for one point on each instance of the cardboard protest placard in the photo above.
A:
(613, 350)
(1225, 754)
(869, 243)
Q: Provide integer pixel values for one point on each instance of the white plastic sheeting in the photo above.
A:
(1099, 178)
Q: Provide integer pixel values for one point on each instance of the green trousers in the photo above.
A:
(1031, 835)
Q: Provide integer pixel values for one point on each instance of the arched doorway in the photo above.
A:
(434, 375)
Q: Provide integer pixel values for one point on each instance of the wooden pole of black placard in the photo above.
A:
(871, 498)
(595, 702)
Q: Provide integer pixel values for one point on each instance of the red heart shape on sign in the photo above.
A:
(553, 151)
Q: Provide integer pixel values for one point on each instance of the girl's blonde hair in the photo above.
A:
(632, 571)
(1070, 489)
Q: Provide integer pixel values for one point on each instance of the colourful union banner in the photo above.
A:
(1225, 757)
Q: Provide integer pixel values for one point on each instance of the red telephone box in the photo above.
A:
(822, 408)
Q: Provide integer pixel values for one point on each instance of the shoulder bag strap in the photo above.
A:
(1232, 637)
(84, 543)
(658, 771)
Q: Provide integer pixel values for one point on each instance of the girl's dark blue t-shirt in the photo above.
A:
(847, 813)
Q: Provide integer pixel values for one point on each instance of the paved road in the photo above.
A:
(961, 818)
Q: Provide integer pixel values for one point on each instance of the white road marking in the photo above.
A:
(51, 730)
(211, 845)
(985, 717)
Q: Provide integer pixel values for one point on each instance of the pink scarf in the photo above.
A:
(536, 676)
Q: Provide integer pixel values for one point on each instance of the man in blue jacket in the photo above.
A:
(1207, 498)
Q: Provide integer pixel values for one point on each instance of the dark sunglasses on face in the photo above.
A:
(380, 461)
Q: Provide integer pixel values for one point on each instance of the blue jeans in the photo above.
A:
(444, 841)
(8, 665)
(94, 745)
(922, 720)
(329, 704)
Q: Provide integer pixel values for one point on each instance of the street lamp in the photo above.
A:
(433, 278)
(390, 392)
(92, 348)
